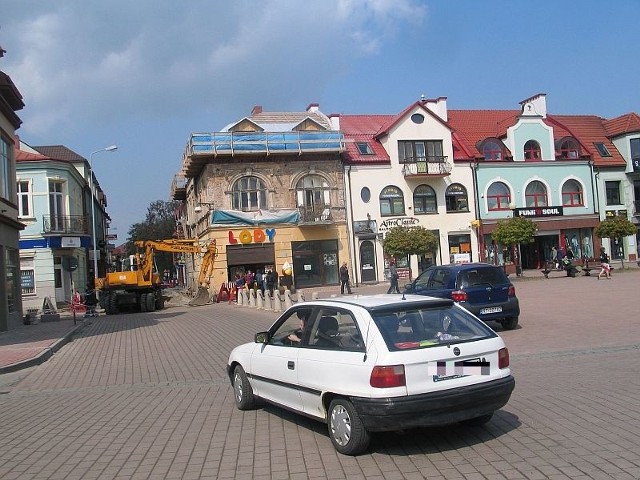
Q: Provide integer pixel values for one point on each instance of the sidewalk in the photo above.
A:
(30, 345)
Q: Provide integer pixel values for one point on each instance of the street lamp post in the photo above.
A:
(111, 148)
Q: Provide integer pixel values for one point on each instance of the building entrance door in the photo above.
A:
(367, 262)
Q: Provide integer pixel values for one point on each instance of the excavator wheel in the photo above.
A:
(143, 302)
(151, 302)
(160, 302)
(112, 304)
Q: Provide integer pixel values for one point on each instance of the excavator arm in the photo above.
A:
(185, 246)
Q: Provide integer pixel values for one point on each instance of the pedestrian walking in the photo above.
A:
(344, 279)
(605, 266)
(393, 278)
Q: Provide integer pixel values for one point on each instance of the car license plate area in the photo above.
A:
(450, 369)
(484, 311)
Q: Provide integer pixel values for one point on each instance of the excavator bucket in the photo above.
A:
(202, 298)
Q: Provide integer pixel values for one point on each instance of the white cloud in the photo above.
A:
(85, 63)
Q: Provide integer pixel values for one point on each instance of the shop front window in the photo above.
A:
(459, 248)
(315, 263)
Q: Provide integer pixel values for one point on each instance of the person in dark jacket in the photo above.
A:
(344, 279)
(393, 279)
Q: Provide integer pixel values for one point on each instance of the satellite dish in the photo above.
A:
(69, 263)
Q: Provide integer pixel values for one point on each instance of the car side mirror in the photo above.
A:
(261, 337)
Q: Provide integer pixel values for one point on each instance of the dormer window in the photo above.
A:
(569, 148)
(532, 150)
(364, 148)
(492, 150)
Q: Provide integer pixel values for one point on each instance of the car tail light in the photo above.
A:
(459, 296)
(503, 358)
(388, 376)
(512, 291)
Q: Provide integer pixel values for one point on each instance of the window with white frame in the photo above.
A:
(391, 201)
(498, 196)
(249, 194)
(572, 194)
(532, 150)
(424, 200)
(313, 196)
(56, 206)
(5, 169)
(536, 194)
(456, 198)
(24, 198)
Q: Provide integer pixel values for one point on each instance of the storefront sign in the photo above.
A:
(538, 212)
(614, 213)
(257, 235)
(364, 227)
(398, 222)
(70, 242)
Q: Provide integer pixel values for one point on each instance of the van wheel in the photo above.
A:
(346, 430)
(509, 323)
(242, 391)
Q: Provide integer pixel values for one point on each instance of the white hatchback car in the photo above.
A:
(375, 363)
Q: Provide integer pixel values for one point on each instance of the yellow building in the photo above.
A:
(269, 189)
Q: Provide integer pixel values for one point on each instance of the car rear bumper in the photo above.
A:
(437, 408)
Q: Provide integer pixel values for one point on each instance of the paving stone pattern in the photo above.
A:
(145, 395)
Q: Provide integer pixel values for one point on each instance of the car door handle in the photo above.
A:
(291, 365)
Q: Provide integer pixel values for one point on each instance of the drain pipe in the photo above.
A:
(352, 245)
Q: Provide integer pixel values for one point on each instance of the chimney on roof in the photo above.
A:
(437, 106)
(334, 118)
(256, 110)
(313, 107)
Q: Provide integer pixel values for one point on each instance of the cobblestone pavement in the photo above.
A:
(145, 396)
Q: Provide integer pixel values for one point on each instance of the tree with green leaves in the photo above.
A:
(515, 231)
(159, 224)
(615, 227)
(403, 241)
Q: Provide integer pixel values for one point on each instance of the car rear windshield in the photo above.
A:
(482, 276)
(429, 327)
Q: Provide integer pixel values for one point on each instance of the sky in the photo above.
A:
(146, 74)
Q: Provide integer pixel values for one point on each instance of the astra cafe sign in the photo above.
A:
(538, 212)
(398, 222)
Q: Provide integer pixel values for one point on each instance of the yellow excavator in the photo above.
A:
(139, 287)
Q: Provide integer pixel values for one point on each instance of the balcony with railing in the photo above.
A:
(315, 215)
(65, 224)
(426, 167)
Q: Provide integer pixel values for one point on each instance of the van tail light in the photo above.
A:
(512, 291)
(388, 376)
(459, 296)
(503, 357)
